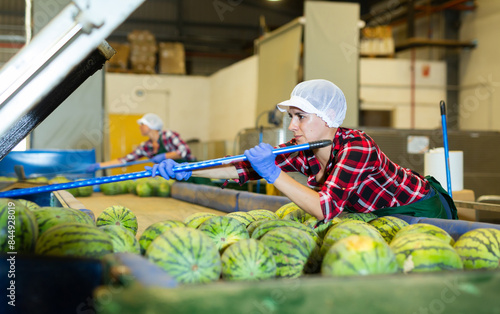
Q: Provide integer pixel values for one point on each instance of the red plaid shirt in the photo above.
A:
(360, 177)
(172, 142)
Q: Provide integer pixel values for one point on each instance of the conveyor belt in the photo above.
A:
(147, 209)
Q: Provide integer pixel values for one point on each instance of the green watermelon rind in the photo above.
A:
(24, 232)
(74, 239)
(388, 226)
(224, 231)
(156, 229)
(479, 248)
(122, 239)
(186, 254)
(359, 255)
(248, 260)
(118, 215)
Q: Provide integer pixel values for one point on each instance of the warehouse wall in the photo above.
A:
(480, 69)
(182, 101)
(233, 99)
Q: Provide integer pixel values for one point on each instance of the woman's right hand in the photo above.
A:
(166, 170)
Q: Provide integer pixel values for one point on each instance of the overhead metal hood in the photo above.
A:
(60, 58)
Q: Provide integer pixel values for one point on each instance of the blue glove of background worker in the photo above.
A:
(159, 158)
(167, 172)
(261, 158)
(93, 167)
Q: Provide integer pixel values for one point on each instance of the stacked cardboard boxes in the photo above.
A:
(377, 41)
(119, 62)
(143, 50)
(171, 58)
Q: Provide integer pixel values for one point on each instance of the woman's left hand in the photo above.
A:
(261, 158)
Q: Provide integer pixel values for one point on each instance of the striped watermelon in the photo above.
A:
(122, 239)
(298, 215)
(258, 214)
(420, 252)
(479, 248)
(18, 227)
(359, 255)
(74, 239)
(285, 209)
(224, 231)
(112, 188)
(366, 217)
(28, 204)
(323, 228)
(48, 217)
(131, 186)
(155, 230)
(243, 217)
(118, 215)
(196, 219)
(427, 229)
(345, 229)
(251, 227)
(388, 226)
(294, 251)
(89, 213)
(267, 226)
(186, 254)
(248, 259)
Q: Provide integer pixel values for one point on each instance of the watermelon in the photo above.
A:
(253, 225)
(345, 229)
(294, 251)
(28, 204)
(427, 229)
(421, 252)
(366, 217)
(298, 215)
(122, 239)
(359, 255)
(224, 231)
(84, 191)
(248, 259)
(196, 219)
(323, 228)
(243, 217)
(258, 214)
(131, 186)
(164, 189)
(74, 239)
(155, 230)
(89, 213)
(388, 226)
(143, 189)
(18, 227)
(285, 209)
(112, 188)
(118, 215)
(48, 217)
(186, 254)
(479, 248)
(267, 226)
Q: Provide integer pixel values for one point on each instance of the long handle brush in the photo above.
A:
(148, 173)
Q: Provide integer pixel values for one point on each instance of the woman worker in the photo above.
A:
(162, 144)
(352, 174)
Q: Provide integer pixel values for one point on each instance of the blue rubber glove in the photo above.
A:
(93, 167)
(261, 158)
(159, 158)
(166, 170)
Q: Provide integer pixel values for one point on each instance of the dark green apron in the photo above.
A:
(197, 180)
(430, 208)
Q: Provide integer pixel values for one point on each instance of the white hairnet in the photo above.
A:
(321, 97)
(151, 120)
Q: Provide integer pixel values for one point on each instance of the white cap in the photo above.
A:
(320, 97)
(152, 121)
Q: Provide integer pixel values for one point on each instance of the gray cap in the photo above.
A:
(320, 97)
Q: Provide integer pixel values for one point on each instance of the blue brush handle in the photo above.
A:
(132, 163)
(445, 142)
(144, 174)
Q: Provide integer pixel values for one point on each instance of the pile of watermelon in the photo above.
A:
(254, 245)
(144, 187)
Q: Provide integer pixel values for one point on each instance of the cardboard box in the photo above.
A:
(172, 58)
(121, 58)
